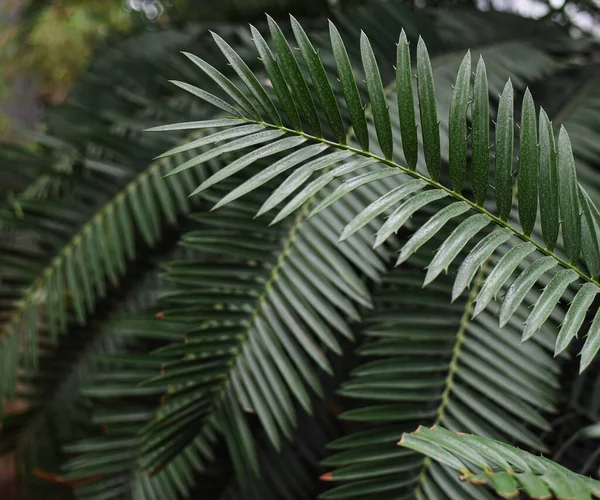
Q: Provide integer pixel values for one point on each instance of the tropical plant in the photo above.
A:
(163, 349)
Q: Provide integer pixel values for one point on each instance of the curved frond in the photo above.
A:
(110, 464)
(106, 460)
(472, 376)
(112, 201)
(101, 243)
(261, 313)
(508, 470)
(53, 410)
(380, 160)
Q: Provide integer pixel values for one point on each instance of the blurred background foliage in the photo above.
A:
(44, 45)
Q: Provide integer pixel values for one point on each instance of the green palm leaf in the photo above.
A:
(527, 199)
(473, 376)
(509, 471)
(88, 231)
(260, 312)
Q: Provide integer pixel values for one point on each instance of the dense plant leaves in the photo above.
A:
(508, 470)
(295, 470)
(264, 383)
(106, 199)
(260, 311)
(101, 244)
(528, 194)
(473, 376)
(112, 464)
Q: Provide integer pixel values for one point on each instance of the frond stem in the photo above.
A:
(437, 185)
(453, 367)
(287, 245)
(34, 294)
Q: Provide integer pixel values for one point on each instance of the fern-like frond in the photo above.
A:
(546, 168)
(508, 470)
(54, 412)
(110, 464)
(261, 313)
(428, 361)
(70, 248)
(106, 461)
(101, 243)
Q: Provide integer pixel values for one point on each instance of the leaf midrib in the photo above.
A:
(436, 185)
(453, 366)
(31, 292)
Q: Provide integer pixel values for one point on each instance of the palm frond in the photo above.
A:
(560, 213)
(427, 361)
(92, 243)
(292, 473)
(54, 412)
(508, 470)
(82, 239)
(110, 464)
(261, 312)
(105, 455)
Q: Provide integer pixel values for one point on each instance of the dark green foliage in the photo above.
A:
(225, 376)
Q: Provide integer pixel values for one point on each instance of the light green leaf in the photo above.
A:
(519, 288)
(405, 211)
(592, 343)
(245, 142)
(223, 122)
(241, 163)
(381, 205)
(457, 240)
(430, 229)
(547, 301)
(352, 184)
(575, 316)
(227, 85)
(247, 76)
(476, 258)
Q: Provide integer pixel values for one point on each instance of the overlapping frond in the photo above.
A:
(86, 395)
(71, 247)
(546, 169)
(92, 243)
(111, 463)
(261, 314)
(52, 411)
(429, 362)
(508, 470)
